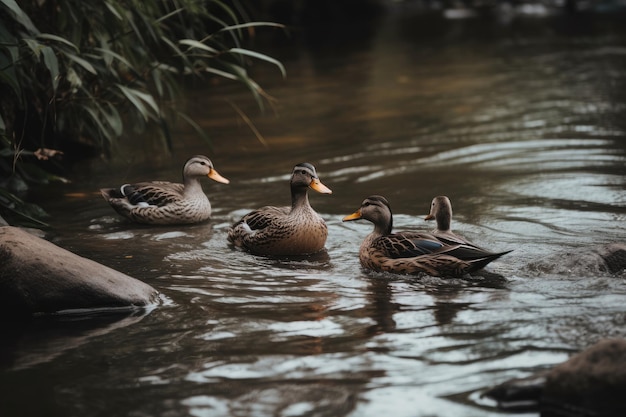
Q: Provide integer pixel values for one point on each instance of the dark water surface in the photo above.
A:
(522, 125)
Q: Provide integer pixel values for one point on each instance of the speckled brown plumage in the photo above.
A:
(295, 230)
(412, 252)
(161, 202)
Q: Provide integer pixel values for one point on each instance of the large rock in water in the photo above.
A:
(591, 383)
(37, 276)
(597, 260)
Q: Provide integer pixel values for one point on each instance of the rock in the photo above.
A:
(603, 259)
(590, 383)
(37, 276)
(519, 395)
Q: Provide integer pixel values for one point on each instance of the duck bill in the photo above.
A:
(215, 176)
(317, 185)
(429, 217)
(354, 216)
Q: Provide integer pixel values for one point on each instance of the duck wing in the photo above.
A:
(155, 193)
(407, 245)
(434, 254)
(265, 217)
(413, 254)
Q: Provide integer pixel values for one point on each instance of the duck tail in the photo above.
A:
(480, 263)
(109, 193)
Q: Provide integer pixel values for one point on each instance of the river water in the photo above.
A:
(521, 123)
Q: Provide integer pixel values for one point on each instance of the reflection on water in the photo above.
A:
(522, 126)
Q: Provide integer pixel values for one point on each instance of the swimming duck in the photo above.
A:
(161, 202)
(441, 212)
(295, 230)
(412, 252)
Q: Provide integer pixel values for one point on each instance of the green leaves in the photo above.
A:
(192, 43)
(262, 57)
(132, 56)
(92, 69)
(18, 15)
(144, 103)
(55, 38)
(52, 64)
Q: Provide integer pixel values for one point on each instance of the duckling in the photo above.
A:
(284, 231)
(412, 252)
(161, 202)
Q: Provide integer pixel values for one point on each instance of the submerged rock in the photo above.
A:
(26, 344)
(37, 276)
(519, 395)
(590, 383)
(610, 258)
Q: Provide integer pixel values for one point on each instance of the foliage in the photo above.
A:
(75, 71)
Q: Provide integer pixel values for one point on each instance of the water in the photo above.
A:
(521, 125)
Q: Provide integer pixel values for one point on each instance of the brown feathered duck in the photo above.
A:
(288, 230)
(161, 202)
(413, 252)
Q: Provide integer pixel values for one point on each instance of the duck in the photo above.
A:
(413, 253)
(441, 212)
(285, 230)
(167, 203)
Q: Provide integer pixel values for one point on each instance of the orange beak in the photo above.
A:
(215, 176)
(429, 217)
(354, 216)
(317, 185)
